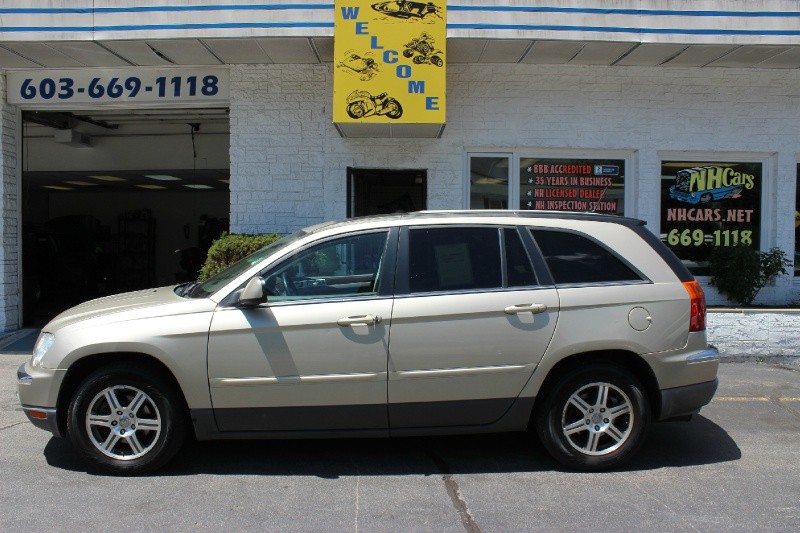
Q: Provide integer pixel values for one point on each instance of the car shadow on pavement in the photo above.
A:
(673, 444)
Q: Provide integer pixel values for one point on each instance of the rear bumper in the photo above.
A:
(687, 400)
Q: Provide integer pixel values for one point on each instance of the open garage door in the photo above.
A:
(117, 200)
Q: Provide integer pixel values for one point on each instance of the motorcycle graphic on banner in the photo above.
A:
(362, 104)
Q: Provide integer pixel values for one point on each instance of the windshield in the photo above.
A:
(208, 287)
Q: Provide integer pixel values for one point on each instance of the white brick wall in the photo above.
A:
(9, 256)
(288, 163)
(749, 333)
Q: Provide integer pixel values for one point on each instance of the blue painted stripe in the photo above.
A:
(647, 12)
(146, 27)
(611, 29)
(44, 11)
(499, 8)
(146, 9)
(524, 27)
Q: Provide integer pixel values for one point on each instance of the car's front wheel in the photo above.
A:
(126, 421)
(594, 418)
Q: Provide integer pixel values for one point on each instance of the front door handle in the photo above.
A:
(360, 320)
(525, 308)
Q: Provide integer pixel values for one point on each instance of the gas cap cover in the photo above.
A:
(639, 318)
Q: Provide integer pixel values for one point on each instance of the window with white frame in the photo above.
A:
(710, 203)
(797, 224)
(552, 180)
(489, 181)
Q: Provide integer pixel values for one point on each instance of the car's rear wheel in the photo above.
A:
(126, 421)
(593, 418)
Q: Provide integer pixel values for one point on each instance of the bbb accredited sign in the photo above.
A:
(44, 88)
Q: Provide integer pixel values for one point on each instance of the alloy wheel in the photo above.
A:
(123, 422)
(597, 419)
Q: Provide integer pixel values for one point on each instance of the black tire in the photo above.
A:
(419, 60)
(109, 439)
(437, 61)
(408, 52)
(593, 418)
(356, 110)
(393, 109)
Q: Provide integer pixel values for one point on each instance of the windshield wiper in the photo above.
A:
(184, 288)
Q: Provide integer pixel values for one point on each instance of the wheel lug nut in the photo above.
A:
(119, 413)
(588, 422)
(603, 410)
(134, 427)
(114, 422)
(122, 432)
(605, 420)
(591, 410)
(596, 428)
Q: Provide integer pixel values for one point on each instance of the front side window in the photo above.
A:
(339, 268)
(573, 258)
(208, 287)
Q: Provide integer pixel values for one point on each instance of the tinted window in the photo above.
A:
(519, 271)
(344, 267)
(448, 259)
(574, 258)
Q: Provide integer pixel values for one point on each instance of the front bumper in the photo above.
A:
(28, 387)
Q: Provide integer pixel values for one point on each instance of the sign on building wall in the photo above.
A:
(60, 88)
(797, 223)
(709, 205)
(389, 62)
(593, 185)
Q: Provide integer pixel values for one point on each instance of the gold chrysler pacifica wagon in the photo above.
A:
(581, 328)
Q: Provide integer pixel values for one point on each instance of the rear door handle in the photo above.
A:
(360, 320)
(525, 308)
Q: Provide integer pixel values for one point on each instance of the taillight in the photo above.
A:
(697, 319)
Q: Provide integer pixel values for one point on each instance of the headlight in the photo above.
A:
(43, 343)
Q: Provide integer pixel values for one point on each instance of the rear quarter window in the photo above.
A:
(577, 259)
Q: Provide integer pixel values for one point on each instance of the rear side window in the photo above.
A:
(448, 259)
(518, 266)
(573, 258)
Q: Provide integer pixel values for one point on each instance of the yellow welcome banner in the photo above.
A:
(389, 62)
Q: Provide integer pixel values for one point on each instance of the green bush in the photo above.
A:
(739, 272)
(229, 248)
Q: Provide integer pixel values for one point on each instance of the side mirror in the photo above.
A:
(253, 293)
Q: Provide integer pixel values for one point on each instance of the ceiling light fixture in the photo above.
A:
(82, 183)
(198, 186)
(107, 178)
(57, 188)
(162, 177)
(152, 187)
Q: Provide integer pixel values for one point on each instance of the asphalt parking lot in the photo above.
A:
(734, 468)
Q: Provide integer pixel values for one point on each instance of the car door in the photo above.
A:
(313, 357)
(469, 325)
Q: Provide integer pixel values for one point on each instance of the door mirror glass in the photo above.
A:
(253, 293)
